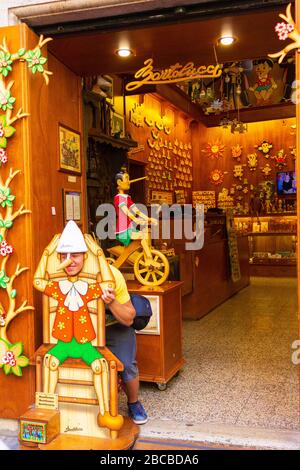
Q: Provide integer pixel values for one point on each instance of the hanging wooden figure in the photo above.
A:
(265, 148)
(236, 152)
(266, 170)
(280, 159)
(150, 266)
(238, 171)
(252, 161)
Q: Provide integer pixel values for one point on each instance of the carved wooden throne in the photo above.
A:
(78, 403)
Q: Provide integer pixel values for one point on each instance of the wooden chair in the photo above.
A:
(78, 403)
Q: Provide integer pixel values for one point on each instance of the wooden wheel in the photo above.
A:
(151, 275)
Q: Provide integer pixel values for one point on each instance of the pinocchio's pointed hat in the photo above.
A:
(71, 240)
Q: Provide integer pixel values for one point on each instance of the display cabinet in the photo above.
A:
(159, 345)
(272, 244)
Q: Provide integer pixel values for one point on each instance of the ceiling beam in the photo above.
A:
(61, 20)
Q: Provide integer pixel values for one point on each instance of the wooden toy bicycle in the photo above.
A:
(151, 267)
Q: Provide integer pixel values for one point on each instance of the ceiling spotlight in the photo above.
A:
(124, 52)
(226, 40)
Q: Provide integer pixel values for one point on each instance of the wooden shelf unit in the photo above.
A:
(159, 352)
(273, 241)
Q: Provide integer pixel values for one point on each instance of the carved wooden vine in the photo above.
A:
(11, 358)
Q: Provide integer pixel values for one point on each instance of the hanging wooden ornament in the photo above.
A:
(159, 124)
(264, 148)
(149, 121)
(293, 152)
(252, 161)
(238, 171)
(236, 152)
(280, 158)
(155, 134)
(216, 177)
(150, 143)
(266, 170)
(136, 115)
(214, 150)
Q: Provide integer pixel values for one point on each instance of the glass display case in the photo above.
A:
(272, 242)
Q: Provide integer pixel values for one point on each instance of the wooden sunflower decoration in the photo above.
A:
(216, 177)
(214, 150)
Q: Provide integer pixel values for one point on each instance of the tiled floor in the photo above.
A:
(238, 363)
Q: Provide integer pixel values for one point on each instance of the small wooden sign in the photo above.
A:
(149, 75)
(48, 401)
(207, 198)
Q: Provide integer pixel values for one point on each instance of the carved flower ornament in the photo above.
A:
(11, 358)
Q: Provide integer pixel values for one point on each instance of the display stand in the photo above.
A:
(125, 440)
(159, 345)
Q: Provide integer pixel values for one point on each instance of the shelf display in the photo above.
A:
(272, 242)
(207, 198)
(169, 162)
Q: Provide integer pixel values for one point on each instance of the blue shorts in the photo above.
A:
(121, 340)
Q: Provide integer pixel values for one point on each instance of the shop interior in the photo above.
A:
(229, 143)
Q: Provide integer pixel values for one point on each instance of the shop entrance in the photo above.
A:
(230, 143)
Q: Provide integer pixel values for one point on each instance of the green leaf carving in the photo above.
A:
(17, 370)
(21, 52)
(3, 142)
(9, 131)
(7, 369)
(23, 361)
(13, 294)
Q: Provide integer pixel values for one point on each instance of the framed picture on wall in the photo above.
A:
(72, 209)
(117, 125)
(69, 150)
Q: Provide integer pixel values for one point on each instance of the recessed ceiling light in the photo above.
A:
(227, 40)
(124, 52)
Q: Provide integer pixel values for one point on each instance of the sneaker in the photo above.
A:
(137, 413)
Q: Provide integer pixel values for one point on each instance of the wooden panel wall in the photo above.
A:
(34, 150)
(277, 132)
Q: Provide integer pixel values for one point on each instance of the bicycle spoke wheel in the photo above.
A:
(147, 272)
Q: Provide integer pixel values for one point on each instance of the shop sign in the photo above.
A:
(175, 73)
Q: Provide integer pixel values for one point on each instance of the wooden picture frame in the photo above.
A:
(72, 206)
(117, 125)
(69, 150)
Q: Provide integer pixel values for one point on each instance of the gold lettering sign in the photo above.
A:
(175, 73)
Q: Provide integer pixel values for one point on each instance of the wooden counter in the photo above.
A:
(159, 346)
(212, 283)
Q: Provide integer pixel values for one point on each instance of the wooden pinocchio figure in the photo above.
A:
(127, 213)
(73, 327)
